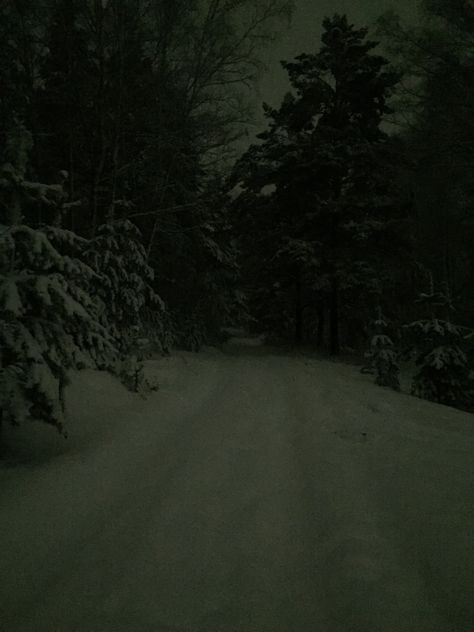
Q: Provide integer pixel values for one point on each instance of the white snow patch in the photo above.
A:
(268, 190)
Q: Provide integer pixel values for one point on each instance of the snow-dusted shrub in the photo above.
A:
(190, 332)
(132, 373)
(382, 356)
(130, 367)
(157, 327)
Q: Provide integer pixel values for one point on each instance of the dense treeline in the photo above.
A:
(434, 106)
(116, 120)
(319, 192)
(353, 208)
(347, 225)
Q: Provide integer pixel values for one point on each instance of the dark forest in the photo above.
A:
(141, 221)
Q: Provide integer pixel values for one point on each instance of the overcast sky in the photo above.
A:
(304, 34)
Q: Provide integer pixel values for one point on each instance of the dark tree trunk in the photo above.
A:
(321, 327)
(3, 445)
(334, 318)
(298, 313)
(334, 293)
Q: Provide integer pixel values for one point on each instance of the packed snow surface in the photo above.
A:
(254, 492)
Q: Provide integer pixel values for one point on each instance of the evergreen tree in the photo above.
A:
(382, 356)
(125, 287)
(317, 191)
(134, 117)
(205, 262)
(130, 308)
(435, 107)
(48, 321)
(444, 374)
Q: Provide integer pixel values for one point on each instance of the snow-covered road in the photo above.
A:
(252, 493)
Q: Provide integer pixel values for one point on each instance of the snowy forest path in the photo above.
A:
(255, 492)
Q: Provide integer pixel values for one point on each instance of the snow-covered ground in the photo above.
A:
(253, 492)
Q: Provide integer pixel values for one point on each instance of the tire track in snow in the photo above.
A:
(368, 585)
(88, 509)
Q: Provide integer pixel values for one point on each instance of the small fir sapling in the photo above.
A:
(382, 356)
(444, 374)
(125, 289)
(118, 255)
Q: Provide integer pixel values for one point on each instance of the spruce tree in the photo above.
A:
(128, 300)
(49, 323)
(444, 374)
(382, 356)
(125, 282)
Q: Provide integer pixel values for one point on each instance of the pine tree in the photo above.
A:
(327, 163)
